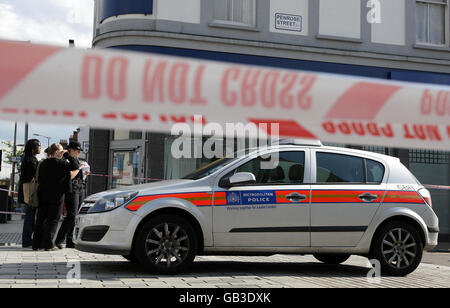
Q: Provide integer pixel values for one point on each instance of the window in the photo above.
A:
(431, 21)
(340, 19)
(125, 169)
(124, 134)
(237, 12)
(375, 171)
(337, 168)
(109, 8)
(428, 157)
(289, 170)
(209, 169)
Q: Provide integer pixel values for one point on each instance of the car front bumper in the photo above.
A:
(106, 233)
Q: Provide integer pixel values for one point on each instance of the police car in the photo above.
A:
(326, 201)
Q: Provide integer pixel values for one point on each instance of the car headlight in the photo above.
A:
(113, 201)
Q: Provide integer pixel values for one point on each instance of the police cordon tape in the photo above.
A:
(117, 89)
(8, 190)
(13, 213)
(121, 177)
(439, 187)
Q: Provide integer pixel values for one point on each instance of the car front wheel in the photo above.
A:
(166, 244)
(398, 247)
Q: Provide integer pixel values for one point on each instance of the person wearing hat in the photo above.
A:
(72, 199)
(52, 178)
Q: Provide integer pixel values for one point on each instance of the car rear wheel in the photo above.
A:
(332, 258)
(166, 244)
(398, 247)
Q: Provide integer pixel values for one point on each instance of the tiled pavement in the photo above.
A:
(25, 268)
(10, 238)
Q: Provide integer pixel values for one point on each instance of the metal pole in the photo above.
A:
(13, 174)
(26, 133)
(48, 139)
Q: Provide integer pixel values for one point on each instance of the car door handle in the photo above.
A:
(295, 197)
(368, 197)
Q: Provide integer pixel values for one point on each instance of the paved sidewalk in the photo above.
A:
(11, 232)
(26, 268)
(15, 225)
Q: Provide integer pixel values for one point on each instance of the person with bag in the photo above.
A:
(27, 173)
(52, 185)
(73, 199)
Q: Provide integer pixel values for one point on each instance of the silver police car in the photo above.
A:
(326, 201)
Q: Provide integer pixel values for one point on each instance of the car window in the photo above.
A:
(289, 170)
(339, 168)
(375, 171)
(209, 169)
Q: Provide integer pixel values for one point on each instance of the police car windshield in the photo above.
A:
(209, 169)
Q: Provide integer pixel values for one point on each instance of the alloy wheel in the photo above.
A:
(167, 244)
(399, 248)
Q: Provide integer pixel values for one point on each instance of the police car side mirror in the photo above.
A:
(242, 178)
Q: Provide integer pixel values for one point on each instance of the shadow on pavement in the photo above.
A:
(113, 270)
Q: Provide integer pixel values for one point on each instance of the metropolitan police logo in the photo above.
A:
(233, 198)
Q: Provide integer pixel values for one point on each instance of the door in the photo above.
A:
(345, 196)
(273, 212)
(126, 168)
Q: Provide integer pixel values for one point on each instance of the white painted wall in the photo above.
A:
(291, 7)
(340, 18)
(391, 30)
(178, 10)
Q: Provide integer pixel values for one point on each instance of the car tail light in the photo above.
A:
(425, 194)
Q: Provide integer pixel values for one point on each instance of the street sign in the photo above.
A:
(86, 146)
(288, 22)
(16, 159)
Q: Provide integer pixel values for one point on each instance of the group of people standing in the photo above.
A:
(60, 181)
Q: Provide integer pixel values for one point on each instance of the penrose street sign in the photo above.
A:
(288, 22)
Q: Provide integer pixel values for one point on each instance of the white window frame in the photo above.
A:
(235, 24)
(446, 22)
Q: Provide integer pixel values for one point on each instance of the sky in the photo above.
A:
(51, 22)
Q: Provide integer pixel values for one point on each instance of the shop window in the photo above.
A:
(125, 169)
(428, 157)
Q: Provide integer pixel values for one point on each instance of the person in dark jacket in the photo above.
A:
(73, 199)
(27, 173)
(53, 173)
